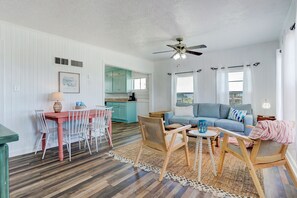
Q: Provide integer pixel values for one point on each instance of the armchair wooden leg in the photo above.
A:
(164, 166)
(251, 168)
(290, 171)
(223, 153)
(138, 156)
(186, 148)
(187, 154)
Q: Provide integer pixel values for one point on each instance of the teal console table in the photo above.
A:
(6, 136)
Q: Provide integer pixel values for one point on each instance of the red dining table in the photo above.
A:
(62, 117)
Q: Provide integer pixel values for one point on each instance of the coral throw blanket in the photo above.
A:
(279, 131)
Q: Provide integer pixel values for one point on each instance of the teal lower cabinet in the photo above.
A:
(6, 136)
(123, 111)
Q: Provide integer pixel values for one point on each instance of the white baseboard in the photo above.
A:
(292, 162)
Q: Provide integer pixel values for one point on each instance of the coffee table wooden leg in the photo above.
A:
(213, 143)
(200, 159)
(211, 156)
(196, 153)
(218, 141)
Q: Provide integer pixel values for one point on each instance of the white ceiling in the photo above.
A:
(140, 27)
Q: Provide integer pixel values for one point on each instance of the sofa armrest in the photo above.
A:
(248, 121)
(167, 116)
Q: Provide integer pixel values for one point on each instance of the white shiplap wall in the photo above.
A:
(27, 63)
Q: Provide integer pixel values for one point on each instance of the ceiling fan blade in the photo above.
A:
(197, 47)
(163, 51)
(194, 53)
(172, 46)
(173, 55)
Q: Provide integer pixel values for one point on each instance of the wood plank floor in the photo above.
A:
(98, 175)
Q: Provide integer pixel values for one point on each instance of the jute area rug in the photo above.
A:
(234, 182)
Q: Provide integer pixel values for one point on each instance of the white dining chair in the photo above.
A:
(77, 129)
(100, 126)
(43, 130)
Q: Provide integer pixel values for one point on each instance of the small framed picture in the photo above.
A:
(69, 82)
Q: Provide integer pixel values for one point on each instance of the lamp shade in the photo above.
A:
(57, 96)
(266, 105)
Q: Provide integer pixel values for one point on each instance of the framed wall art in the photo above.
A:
(69, 82)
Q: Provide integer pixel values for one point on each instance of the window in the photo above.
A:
(139, 83)
(235, 83)
(184, 90)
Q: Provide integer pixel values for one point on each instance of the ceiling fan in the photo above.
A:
(181, 49)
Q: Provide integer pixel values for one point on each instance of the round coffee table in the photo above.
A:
(208, 134)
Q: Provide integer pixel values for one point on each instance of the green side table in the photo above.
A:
(6, 136)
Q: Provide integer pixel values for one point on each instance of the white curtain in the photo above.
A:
(289, 85)
(289, 76)
(222, 86)
(247, 85)
(173, 91)
(279, 85)
(196, 85)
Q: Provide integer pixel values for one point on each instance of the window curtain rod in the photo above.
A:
(237, 66)
(187, 72)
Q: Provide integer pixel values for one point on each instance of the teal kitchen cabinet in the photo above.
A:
(6, 136)
(123, 111)
(118, 80)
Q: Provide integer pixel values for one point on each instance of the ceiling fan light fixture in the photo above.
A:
(180, 50)
(176, 56)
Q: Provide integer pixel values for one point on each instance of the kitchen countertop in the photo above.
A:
(117, 100)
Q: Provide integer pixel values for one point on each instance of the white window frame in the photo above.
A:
(141, 85)
(230, 98)
(186, 92)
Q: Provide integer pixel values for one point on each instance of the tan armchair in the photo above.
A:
(155, 137)
(264, 154)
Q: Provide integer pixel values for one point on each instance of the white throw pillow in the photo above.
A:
(184, 111)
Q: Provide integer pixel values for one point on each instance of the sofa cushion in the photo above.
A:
(237, 115)
(195, 109)
(209, 110)
(246, 107)
(184, 111)
(230, 125)
(224, 111)
(184, 120)
(209, 121)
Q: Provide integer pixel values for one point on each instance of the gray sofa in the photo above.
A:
(216, 115)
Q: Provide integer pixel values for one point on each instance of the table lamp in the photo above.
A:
(266, 105)
(57, 96)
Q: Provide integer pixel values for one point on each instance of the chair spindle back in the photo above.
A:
(41, 121)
